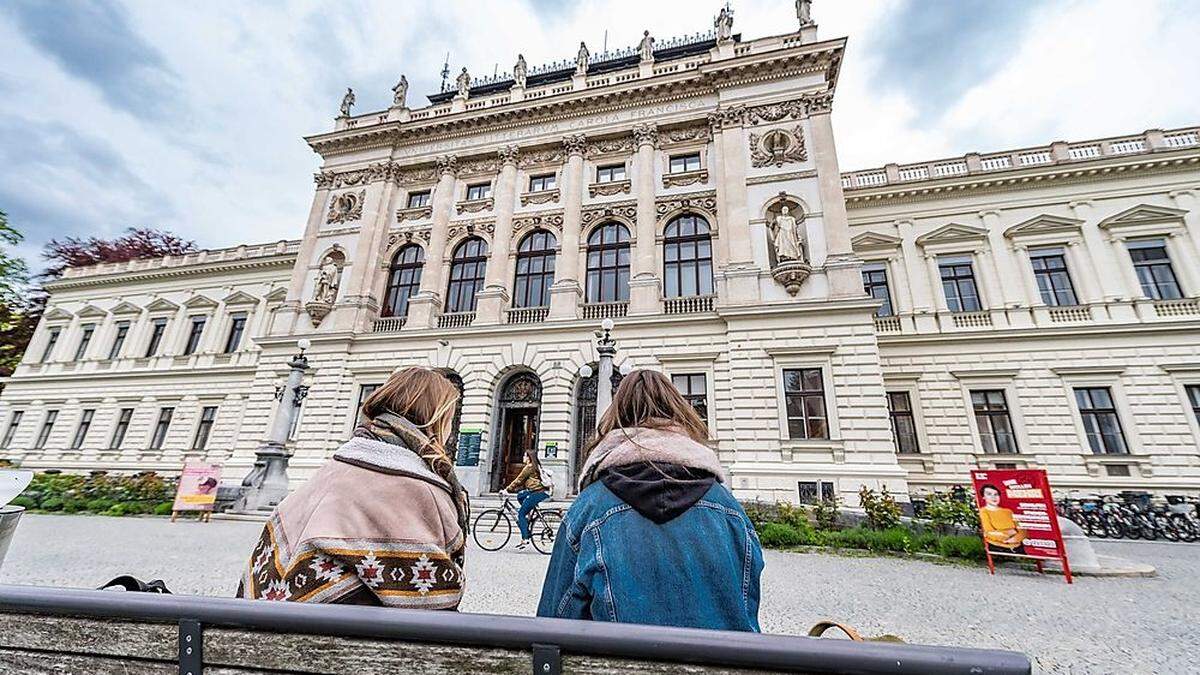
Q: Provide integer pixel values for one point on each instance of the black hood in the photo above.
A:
(660, 492)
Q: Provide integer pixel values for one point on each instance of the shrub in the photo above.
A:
(795, 516)
(825, 512)
(779, 535)
(74, 505)
(945, 511)
(961, 546)
(883, 513)
(25, 502)
(117, 510)
(99, 505)
(164, 508)
(51, 504)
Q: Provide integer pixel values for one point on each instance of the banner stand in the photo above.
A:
(1017, 518)
(197, 490)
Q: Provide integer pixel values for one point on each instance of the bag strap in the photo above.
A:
(135, 585)
(821, 627)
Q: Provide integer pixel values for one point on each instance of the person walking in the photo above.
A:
(533, 486)
(655, 536)
(380, 523)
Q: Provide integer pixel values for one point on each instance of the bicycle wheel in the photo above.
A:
(1166, 526)
(1114, 527)
(492, 530)
(545, 530)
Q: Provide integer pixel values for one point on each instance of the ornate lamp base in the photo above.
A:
(791, 274)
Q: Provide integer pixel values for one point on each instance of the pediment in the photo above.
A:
(126, 308)
(239, 298)
(1044, 224)
(58, 314)
(92, 311)
(953, 233)
(199, 301)
(162, 305)
(1143, 214)
(277, 295)
(873, 241)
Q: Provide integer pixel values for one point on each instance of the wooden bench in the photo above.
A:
(105, 632)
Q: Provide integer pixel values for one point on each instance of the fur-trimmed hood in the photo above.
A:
(622, 447)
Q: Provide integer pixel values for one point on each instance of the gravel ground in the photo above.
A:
(1094, 626)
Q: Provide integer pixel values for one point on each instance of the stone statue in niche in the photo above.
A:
(520, 71)
(582, 58)
(328, 279)
(463, 82)
(785, 235)
(400, 92)
(347, 102)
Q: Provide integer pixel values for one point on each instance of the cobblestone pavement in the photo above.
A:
(1094, 626)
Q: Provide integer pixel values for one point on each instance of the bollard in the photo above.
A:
(9, 515)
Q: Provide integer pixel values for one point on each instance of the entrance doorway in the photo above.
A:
(518, 411)
(585, 416)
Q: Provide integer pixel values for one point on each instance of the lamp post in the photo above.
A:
(606, 347)
(267, 483)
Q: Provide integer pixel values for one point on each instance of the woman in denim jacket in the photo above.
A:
(655, 536)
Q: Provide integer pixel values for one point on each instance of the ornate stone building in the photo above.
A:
(890, 327)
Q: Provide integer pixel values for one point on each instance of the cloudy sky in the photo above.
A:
(189, 116)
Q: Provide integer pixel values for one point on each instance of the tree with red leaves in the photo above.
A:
(136, 243)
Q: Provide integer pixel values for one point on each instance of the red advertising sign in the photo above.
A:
(197, 488)
(1017, 517)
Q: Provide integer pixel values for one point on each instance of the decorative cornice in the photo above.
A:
(574, 144)
(539, 197)
(1143, 214)
(406, 236)
(279, 260)
(540, 157)
(482, 165)
(725, 118)
(774, 112)
(415, 213)
(447, 164)
(623, 144)
(645, 134)
(475, 205)
(472, 228)
(1044, 224)
(781, 177)
(508, 154)
(610, 188)
(551, 220)
(953, 233)
(818, 104)
(874, 241)
(695, 133)
(626, 210)
(704, 203)
(685, 178)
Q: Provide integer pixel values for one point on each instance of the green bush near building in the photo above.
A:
(100, 493)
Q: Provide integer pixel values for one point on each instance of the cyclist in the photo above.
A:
(533, 486)
(678, 550)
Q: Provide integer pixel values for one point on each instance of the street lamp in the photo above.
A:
(606, 347)
(267, 483)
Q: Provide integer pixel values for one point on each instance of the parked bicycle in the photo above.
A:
(1136, 515)
(494, 528)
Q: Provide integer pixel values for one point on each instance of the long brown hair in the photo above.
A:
(427, 399)
(648, 399)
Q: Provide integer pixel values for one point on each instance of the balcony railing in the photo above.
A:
(1173, 308)
(887, 324)
(521, 315)
(605, 310)
(388, 324)
(1080, 314)
(456, 320)
(692, 304)
(973, 320)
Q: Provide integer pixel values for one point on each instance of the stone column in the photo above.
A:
(1033, 296)
(290, 311)
(935, 284)
(1133, 287)
(1083, 275)
(356, 306)
(1101, 251)
(424, 309)
(842, 267)
(566, 291)
(729, 144)
(1188, 201)
(922, 294)
(493, 299)
(1002, 262)
(1184, 261)
(900, 285)
(645, 285)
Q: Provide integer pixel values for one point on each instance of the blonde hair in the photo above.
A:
(427, 399)
(648, 399)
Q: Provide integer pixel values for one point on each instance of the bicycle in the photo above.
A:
(494, 527)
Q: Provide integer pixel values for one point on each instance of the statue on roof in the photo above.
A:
(400, 92)
(347, 102)
(520, 71)
(804, 12)
(646, 46)
(463, 82)
(581, 59)
(724, 24)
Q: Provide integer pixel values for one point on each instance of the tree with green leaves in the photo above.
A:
(15, 329)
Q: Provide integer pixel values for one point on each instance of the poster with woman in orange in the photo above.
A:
(1017, 517)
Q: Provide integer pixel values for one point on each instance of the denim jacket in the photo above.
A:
(656, 538)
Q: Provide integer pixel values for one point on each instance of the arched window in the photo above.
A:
(535, 270)
(608, 264)
(467, 268)
(404, 279)
(687, 257)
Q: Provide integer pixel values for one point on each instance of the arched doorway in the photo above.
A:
(585, 416)
(518, 409)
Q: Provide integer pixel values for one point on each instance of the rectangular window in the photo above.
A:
(804, 396)
(541, 183)
(1053, 281)
(123, 419)
(119, 340)
(875, 283)
(610, 174)
(160, 429)
(85, 423)
(208, 416)
(363, 392)
(237, 326)
(13, 423)
(904, 425)
(47, 427)
(1100, 421)
(683, 163)
(1153, 268)
(195, 332)
(1193, 392)
(418, 199)
(694, 388)
(480, 191)
(50, 342)
(994, 424)
(958, 283)
(84, 340)
(157, 328)
(814, 491)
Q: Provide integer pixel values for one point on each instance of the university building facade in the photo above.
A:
(897, 326)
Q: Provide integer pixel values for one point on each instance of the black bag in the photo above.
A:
(133, 584)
